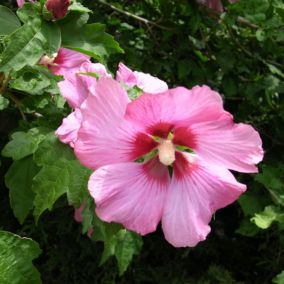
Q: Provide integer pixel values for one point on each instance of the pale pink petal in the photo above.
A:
(126, 75)
(105, 137)
(88, 67)
(131, 194)
(77, 85)
(215, 5)
(196, 191)
(73, 90)
(146, 82)
(223, 143)
(150, 84)
(67, 132)
(176, 107)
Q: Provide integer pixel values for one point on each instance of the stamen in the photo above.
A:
(166, 152)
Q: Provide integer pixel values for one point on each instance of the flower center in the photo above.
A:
(166, 152)
(46, 60)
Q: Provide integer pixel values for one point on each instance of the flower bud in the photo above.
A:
(58, 8)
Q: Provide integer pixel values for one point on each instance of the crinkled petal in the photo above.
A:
(196, 191)
(77, 86)
(105, 137)
(150, 84)
(131, 194)
(179, 107)
(146, 82)
(227, 144)
(126, 75)
(67, 132)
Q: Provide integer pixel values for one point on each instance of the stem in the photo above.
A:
(18, 105)
(145, 21)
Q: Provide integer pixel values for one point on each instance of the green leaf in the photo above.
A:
(279, 279)
(252, 202)
(3, 102)
(90, 39)
(272, 179)
(26, 46)
(61, 173)
(35, 80)
(76, 6)
(79, 175)
(19, 180)
(24, 143)
(247, 228)
(8, 21)
(52, 33)
(270, 214)
(51, 149)
(128, 244)
(48, 185)
(16, 259)
(123, 245)
(29, 12)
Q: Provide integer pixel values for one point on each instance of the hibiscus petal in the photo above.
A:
(126, 75)
(178, 106)
(145, 82)
(67, 132)
(131, 194)
(105, 137)
(196, 191)
(224, 143)
(68, 58)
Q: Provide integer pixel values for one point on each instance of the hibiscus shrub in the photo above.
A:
(96, 156)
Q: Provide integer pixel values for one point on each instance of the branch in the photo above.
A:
(145, 21)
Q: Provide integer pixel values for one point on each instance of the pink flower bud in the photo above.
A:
(58, 8)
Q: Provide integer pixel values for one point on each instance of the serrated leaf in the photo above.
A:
(90, 39)
(35, 80)
(24, 143)
(79, 175)
(123, 245)
(9, 22)
(25, 47)
(19, 180)
(51, 149)
(128, 244)
(61, 173)
(16, 259)
(48, 185)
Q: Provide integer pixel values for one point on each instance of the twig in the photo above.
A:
(18, 105)
(145, 21)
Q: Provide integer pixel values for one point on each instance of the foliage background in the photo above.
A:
(240, 54)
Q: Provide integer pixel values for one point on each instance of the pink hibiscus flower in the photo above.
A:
(78, 85)
(163, 158)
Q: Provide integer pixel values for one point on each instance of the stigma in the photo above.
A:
(166, 152)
